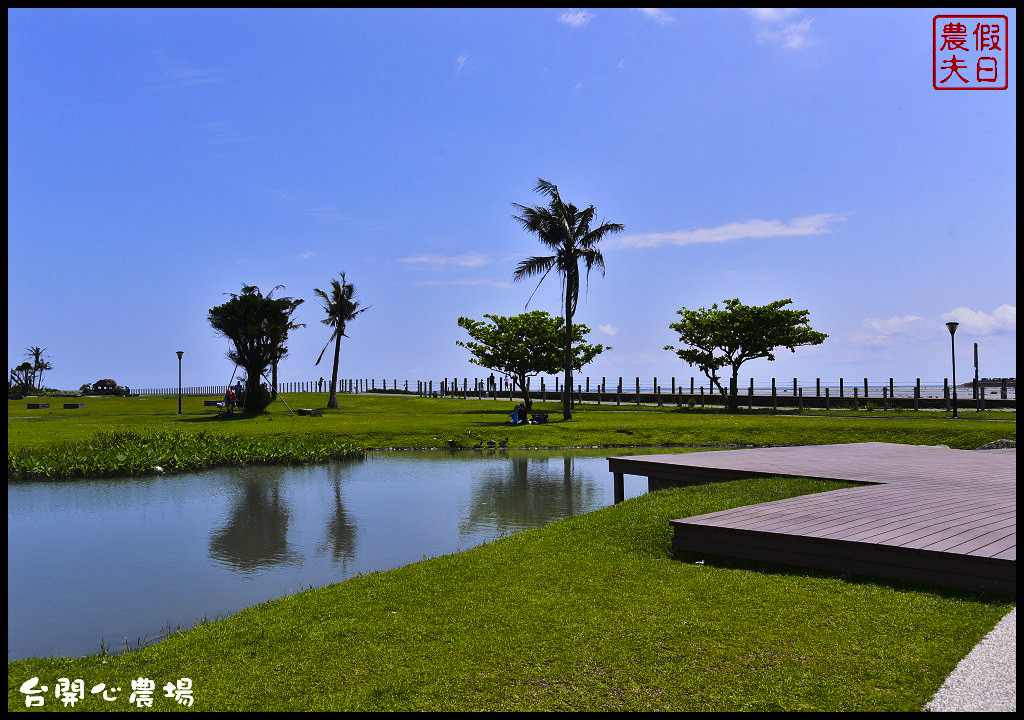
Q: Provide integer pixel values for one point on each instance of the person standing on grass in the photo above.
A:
(229, 400)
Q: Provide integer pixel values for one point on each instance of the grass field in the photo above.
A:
(592, 613)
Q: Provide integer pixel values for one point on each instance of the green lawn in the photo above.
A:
(375, 422)
(591, 613)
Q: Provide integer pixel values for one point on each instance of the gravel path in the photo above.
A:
(985, 680)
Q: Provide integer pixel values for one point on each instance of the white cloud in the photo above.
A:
(465, 260)
(771, 14)
(1001, 320)
(575, 18)
(308, 255)
(461, 62)
(889, 331)
(819, 224)
(657, 15)
(880, 332)
(792, 36)
(608, 329)
(774, 27)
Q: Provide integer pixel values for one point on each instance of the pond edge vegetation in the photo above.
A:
(133, 453)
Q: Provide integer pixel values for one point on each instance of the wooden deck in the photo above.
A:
(924, 514)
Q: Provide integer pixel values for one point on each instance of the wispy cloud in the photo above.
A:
(222, 132)
(657, 15)
(608, 329)
(179, 76)
(433, 260)
(575, 18)
(308, 255)
(460, 62)
(809, 225)
(464, 282)
(780, 27)
(1001, 320)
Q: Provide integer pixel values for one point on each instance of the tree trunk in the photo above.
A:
(567, 390)
(734, 387)
(273, 380)
(332, 402)
(251, 386)
(525, 384)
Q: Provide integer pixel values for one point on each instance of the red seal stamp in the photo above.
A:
(970, 52)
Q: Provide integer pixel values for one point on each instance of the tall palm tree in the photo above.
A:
(566, 230)
(340, 309)
(39, 365)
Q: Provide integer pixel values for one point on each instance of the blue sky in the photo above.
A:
(158, 159)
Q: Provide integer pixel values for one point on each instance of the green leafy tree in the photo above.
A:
(567, 231)
(522, 346)
(257, 326)
(728, 337)
(22, 378)
(341, 308)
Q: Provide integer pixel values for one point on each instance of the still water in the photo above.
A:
(116, 561)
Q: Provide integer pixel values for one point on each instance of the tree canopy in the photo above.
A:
(257, 326)
(715, 338)
(523, 346)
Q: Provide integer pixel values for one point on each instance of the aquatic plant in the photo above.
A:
(132, 452)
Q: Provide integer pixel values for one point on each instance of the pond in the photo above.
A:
(118, 561)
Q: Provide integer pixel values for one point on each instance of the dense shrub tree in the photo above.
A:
(715, 338)
(257, 326)
(522, 346)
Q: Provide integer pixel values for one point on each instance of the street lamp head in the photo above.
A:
(182, 352)
(952, 327)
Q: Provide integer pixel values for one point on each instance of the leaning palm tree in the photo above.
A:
(340, 309)
(565, 230)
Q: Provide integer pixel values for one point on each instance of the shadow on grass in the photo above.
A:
(234, 417)
(728, 563)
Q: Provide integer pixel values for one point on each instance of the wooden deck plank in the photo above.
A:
(936, 515)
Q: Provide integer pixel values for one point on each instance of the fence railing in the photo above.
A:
(753, 393)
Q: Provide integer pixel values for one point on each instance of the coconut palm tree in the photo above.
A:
(340, 309)
(567, 231)
(39, 365)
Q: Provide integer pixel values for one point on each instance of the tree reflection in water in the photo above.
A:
(256, 533)
(341, 529)
(526, 492)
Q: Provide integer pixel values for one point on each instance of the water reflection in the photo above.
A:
(341, 529)
(256, 533)
(243, 536)
(525, 492)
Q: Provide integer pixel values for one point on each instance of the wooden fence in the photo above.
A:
(916, 395)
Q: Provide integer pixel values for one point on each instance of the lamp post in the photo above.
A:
(952, 344)
(180, 353)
